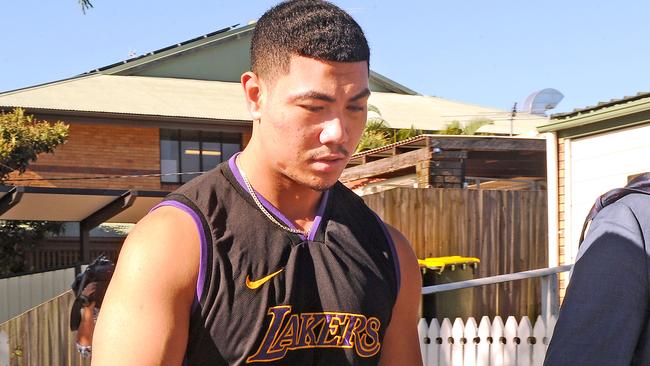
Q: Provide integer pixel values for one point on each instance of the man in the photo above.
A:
(267, 259)
(605, 316)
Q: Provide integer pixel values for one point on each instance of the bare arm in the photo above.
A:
(401, 345)
(144, 318)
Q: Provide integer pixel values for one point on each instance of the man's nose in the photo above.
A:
(333, 132)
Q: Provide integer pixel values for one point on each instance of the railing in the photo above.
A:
(492, 342)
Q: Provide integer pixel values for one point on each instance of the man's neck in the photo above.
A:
(296, 202)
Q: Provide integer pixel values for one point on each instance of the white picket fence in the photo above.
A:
(488, 343)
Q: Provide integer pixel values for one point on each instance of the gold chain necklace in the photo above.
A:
(264, 211)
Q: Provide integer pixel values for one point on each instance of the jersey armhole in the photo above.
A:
(393, 251)
(204, 248)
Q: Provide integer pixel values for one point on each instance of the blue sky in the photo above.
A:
(490, 53)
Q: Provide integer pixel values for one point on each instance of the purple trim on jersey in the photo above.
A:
(269, 206)
(393, 250)
(319, 215)
(204, 247)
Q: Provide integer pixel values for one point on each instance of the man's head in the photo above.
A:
(309, 28)
(307, 92)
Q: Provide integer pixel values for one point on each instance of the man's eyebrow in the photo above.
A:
(312, 94)
(364, 93)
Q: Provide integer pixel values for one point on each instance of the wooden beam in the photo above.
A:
(386, 165)
(487, 143)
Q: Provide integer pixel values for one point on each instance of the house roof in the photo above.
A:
(495, 157)
(605, 116)
(434, 113)
(172, 50)
(203, 64)
(224, 101)
(135, 95)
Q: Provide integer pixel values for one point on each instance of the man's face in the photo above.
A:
(312, 119)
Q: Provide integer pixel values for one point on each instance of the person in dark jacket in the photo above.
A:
(604, 317)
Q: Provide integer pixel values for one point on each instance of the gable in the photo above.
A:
(219, 61)
(219, 56)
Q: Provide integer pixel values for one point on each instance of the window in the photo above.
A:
(187, 151)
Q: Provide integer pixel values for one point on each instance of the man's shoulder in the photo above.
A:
(638, 203)
(628, 218)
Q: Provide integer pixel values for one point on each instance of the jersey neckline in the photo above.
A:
(274, 210)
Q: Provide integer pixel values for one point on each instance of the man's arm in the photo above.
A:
(401, 345)
(144, 318)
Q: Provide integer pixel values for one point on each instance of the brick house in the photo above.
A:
(176, 110)
(148, 123)
(137, 127)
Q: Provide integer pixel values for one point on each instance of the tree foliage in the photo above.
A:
(22, 138)
(377, 133)
(469, 128)
(16, 237)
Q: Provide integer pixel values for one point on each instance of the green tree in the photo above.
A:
(16, 237)
(469, 128)
(22, 138)
(377, 133)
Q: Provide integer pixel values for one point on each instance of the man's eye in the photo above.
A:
(312, 108)
(355, 108)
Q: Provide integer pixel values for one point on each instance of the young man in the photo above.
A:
(267, 259)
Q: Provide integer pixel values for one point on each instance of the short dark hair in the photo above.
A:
(310, 28)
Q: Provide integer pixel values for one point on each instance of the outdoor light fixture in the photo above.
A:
(205, 152)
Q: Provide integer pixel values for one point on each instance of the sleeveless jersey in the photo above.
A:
(268, 296)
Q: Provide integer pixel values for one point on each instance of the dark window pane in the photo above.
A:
(231, 138)
(190, 154)
(169, 160)
(211, 155)
(229, 150)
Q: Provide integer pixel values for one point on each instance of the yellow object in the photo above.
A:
(256, 284)
(439, 263)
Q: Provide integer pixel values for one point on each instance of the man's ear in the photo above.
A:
(253, 92)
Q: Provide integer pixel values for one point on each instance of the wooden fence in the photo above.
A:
(488, 343)
(507, 230)
(64, 251)
(41, 336)
(20, 293)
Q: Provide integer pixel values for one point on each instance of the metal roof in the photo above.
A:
(224, 101)
(173, 49)
(135, 95)
(601, 105)
(434, 113)
(606, 116)
(212, 39)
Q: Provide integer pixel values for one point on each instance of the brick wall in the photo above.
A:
(100, 150)
(103, 150)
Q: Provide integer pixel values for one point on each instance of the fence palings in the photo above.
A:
(507, 230)
(42, 336)
(491, 343)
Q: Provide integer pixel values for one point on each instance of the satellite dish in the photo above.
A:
(541, 101)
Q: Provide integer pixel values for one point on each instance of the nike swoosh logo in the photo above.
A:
(257, 283)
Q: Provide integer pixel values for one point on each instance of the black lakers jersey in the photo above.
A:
(268, 296)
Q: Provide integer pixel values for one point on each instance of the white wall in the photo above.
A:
(597, 164)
